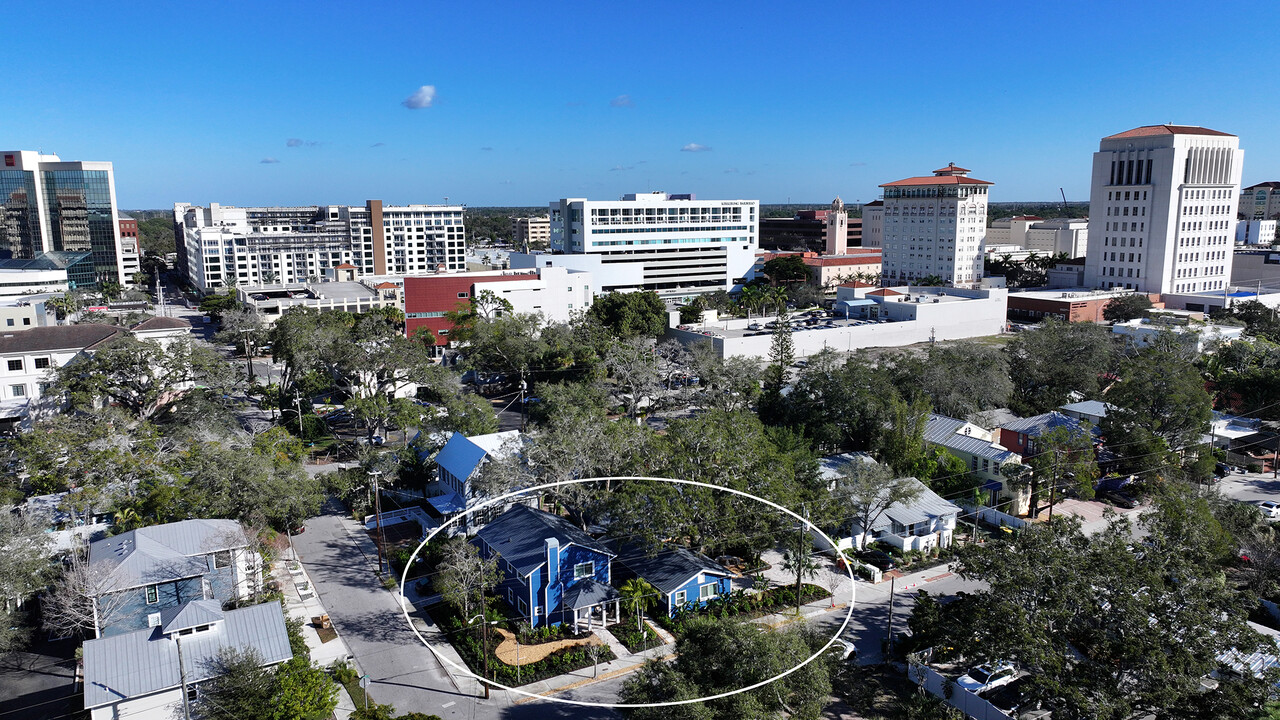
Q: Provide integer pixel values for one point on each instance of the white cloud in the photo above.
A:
(487, 148)
(695, 147)
(268, 161)
(299, 142)
(421, 98)
(377, 144)
(622, 101)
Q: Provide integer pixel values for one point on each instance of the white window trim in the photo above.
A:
(591, 570)
(679, 598)
(703, 593)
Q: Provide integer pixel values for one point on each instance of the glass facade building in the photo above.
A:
(20, 235)
(79, 207)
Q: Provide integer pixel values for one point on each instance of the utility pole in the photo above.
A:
(800, 558)
(248, 359)
(377, 516)
(893, 581)
(297, 403)
(182, 676)
(1053, 488)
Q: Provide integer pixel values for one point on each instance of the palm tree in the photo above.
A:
(270, 277)
(750, 298)
(777, 296)
(638, 596)
(799, 561)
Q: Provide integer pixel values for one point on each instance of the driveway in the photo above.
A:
(404, 673)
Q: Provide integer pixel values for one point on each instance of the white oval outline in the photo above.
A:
(404, 605)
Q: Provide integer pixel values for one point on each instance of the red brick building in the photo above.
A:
(427, 299)
(1071, 305)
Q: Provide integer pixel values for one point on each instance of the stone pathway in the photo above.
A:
(509, 649)
(619, 650)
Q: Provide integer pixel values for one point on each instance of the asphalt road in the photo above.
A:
(1250, 487)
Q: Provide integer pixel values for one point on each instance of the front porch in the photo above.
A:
(588, 604)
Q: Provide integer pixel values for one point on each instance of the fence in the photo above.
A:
(995, 517)
(954, 695)
(393, 517)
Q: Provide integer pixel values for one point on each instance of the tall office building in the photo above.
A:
(50, 205)
(226, 246)
(934, 226)
(1162, 210)
(675, 245)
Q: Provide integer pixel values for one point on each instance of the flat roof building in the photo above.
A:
(671, 244)
(227, 245)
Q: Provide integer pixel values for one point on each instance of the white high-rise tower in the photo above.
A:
(934, 227)
(1162, 209)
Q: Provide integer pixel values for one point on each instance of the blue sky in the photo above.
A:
(536, 101)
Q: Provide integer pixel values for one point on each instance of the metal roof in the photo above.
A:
(926, 507)
(588, 593)
(944, 431)
(1040, 424)
(669, 568)
(1094, 408)
(162, 553)
(145, 662)
(519, 534)
(190, 614)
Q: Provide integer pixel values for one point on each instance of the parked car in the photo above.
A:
(987, 676)
(1117, 498)
(1270, 509)
(753, 326)
(878, 559)
(1009, 699)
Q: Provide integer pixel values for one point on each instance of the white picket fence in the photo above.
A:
(966, 702)
(994, 517)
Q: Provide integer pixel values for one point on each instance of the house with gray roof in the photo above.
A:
(147, 571)
(1020, 435)
(682, 577)
(922, 524)
(552, 571)
(1091, 411)
(981, 450)
(144, 673)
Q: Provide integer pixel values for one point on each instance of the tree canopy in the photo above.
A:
(629, 315)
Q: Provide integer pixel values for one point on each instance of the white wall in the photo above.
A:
(980, 316)
(555, 292)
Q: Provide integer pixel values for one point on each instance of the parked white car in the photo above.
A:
(987, 677)
(1270, 509)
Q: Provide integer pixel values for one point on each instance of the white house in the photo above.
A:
(923, 524)
(982, 451)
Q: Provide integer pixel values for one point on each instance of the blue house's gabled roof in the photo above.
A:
(519, 535)
(669, 568)
(462, 455)
(1095, 408)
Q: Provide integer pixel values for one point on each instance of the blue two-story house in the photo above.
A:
(553, 572)
(682, 577)
(141, 573)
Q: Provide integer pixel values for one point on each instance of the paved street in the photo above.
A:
(1250, 488)
(404, 672)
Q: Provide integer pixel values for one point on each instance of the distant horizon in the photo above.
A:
(544, 206)
(263, 104)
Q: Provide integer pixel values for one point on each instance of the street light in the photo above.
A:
(484, 650)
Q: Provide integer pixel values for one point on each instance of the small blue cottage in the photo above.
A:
(552, 572)
(681, 576)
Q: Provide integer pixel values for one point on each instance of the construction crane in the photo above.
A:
(1064, 201)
